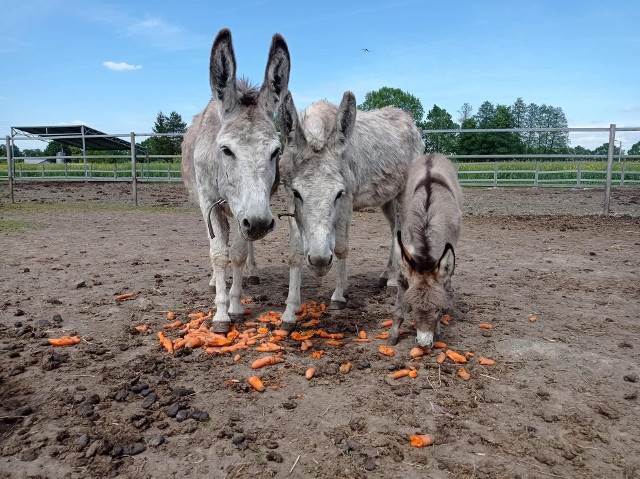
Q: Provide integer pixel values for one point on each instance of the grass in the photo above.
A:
(14, 226)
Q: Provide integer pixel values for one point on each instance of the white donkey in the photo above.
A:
(431, 207)
(336, 162)
(230, 158)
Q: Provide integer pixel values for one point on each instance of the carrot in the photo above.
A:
(456, 357)
(315, 315)
(64, 341)
(166, 342)
(296, 336)
(247, 312)
(413, 373)
(469, 354)
(310, 373)
(401, 373)
(218, 341)
(462, 372)
(486, 361)
(250, 323)
(175, 324)
(194, 343)
(317, 354)
(215, 350)
(359, 340)
(441, 357)
(311, 323)
(362, 335)
(439, 345)
(179, 343)
(122, 297)
(195, 315)
(302, 309)
(269, 348)
(445, 319)
(280, 332)
(485, 325)
(416, 352)
(345, 368)
(171, 315)
(236, 358)
(420, 440)
(246, 300)
(256, 383)
(323, 334)
(333, 342)
(384, 335)
(306, 344)
(266, 361)
(533, 318)
(143, 328)
(387, 323)
(386, 350)
(323, 307)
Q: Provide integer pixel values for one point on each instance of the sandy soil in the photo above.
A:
(561, 400)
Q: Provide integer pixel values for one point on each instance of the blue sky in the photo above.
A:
(114, 65)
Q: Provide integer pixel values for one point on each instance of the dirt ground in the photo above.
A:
(560, 401)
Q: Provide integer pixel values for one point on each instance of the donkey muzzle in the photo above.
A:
(256, 228)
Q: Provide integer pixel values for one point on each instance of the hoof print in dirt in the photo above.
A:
(274, 456)
(369, 463)
(29, 455)
(156, 440)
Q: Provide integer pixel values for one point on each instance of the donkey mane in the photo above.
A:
(424, 261)
(247, 92)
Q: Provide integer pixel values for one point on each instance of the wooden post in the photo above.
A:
(10, 168)
(134, 174)
(607, 187)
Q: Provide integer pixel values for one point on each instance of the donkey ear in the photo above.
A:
(289, 122)
(345, 118)
(276, 75)
(222, 72)
(406, 256)
(446, 264)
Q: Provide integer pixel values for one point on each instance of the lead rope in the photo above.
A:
(219, 202)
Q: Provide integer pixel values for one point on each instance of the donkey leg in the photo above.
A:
(401, 308)
(341, 250)
(252, 269)
(388, 277)
(239, 253)
(295, 263)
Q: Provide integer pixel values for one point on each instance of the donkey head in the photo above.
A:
(247, 147)
(428, 291)
(320, 190)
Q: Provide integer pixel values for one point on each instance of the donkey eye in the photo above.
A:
(227, 151)
(297, 194)
(339, 195)
(275, 154)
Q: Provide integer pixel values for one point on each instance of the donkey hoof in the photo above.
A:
(253, 280)
(382, 282)
(392, 289)
(212, 288)
(221, 327)
(337, 304)
(288, 326)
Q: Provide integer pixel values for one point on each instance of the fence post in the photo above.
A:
(43, 170)
(607, 188)
(168, 171)
(535, 178)
(495, 174)
(66, 169)
(579, 179)
(134, 175)
(10, 168)
(622, 173)
(115, 169)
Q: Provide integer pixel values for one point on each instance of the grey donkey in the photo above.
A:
(337, 161)
(431, 209)
(230, 158)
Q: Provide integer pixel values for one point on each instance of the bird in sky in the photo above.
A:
(366, 50)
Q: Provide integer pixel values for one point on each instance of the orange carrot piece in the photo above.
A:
(323, 334)
(318, 354)
(445, 319)
(179, 343)
(302, 309)
(171, 315)
(362, 335)
(122, 297)
(456, 357)
(236, 358)
(296, 336)
(256, 383)
(311, 323)
(306, 344)
(413, 373)
(322, 307)
(441, 357)
(143, 328)
(315, 315)
(165, 342)
(280, 332)
(420, 440)
(401, 373)
(533, 318)
(360, 340)
(195, 315)
(387, 323)
(345, 368)
(386, 350)
(439, 345)
(310, 373)
(486, 361)
(462, 372)
(64, 341)
(485, 325)
(194, 343)
(218, 341)
(384, 335)
(266, 361)
(333, 342)
(269, 348)
(175, 324)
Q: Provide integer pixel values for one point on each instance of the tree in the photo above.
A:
(484, 117)
(635, 149)
(464, 113)
(604, 149)
(490, 143)
(3, 152)
(53, 147)
(468, 142)
(386, 96)
(166, 145)
(439, 119)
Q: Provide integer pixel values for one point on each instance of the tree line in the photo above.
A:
(488, 116)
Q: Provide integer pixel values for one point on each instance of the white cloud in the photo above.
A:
(121, 66)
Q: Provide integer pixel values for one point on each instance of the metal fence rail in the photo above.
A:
(571, 170)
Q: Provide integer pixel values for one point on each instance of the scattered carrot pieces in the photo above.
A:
(323, 334)
(318, 354)
(456, 357)
(485, 326)
(420, 440)
(387, 323)
(310, 373)
(194, 342)
(165, 342)
(384, 335)
(445, 319)
(439, 345)
(306, 344)
(269, 348)
(171, 315)
(462, 372)
(311, 323)
(195, 315)
(401, 373)
(345, 368)
(64, 341)
(236, 358)
(416, 352)
(175, 324)
(413, 373)
(333, 342)
(122, 297)
(297, 336)
(533, 318)
(362, 335)
(280, 332)
(142, 328)
(256, 383)
(247, 312)
(486, 361)
(386, 350)
(266, 361)
(441, 357)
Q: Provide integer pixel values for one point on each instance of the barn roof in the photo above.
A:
(72, 135)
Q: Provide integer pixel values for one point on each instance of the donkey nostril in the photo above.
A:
(330, 259)
(272, 225)
(245, 223)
